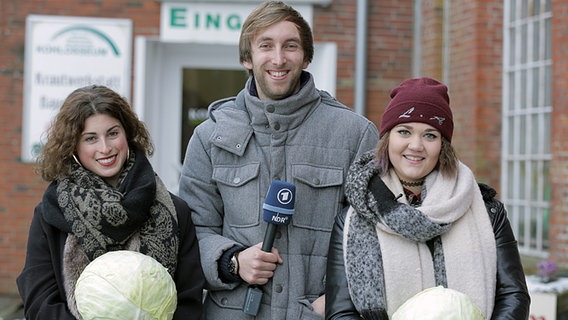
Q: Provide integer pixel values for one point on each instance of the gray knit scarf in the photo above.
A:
(369, 214)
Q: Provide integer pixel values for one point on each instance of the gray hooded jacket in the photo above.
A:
(309, 139)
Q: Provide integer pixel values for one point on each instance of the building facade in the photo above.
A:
(505, 62)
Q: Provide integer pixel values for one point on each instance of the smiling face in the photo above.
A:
(277, 61)
(414, 150)
(103, 147)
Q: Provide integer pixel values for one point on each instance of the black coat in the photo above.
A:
(512, 299)
(41, 281)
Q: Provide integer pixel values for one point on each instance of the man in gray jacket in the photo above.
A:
(279, 127)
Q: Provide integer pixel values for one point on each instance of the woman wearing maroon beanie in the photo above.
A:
(418, 219)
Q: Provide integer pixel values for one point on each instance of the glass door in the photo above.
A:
(201, 87)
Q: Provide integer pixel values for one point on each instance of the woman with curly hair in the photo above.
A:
(103, 196)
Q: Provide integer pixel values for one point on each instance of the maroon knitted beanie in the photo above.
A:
(419, 100)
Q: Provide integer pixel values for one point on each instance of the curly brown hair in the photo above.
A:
(56, 156)
(447, 162)
(264, 16)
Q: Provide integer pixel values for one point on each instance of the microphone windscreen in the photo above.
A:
(278, 207)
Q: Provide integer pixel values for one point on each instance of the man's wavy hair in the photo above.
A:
(447, 162)
(264, 16)
(56, 156)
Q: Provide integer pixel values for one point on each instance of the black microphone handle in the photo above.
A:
(269, 237)
(253, 297)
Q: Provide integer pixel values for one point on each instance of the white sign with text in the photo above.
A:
(209, 22)
(66, 53)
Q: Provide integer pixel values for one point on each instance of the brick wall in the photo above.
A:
(475, 66)
(432, 36)
(389, 48)
(559, 165)
(389, 52)
(20, 188)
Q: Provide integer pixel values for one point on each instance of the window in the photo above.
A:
(526, 121)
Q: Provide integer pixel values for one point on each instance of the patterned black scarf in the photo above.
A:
(104, 219)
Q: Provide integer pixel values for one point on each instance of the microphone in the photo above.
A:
(277, 210)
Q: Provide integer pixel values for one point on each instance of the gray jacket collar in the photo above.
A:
(238, 117)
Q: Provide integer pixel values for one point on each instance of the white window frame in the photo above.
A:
(527, 107)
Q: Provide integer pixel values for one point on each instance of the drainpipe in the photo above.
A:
(361, 58)
(446, 44)
(417, 45)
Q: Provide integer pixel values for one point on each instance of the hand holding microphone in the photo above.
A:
(277, 210)
(256, 267)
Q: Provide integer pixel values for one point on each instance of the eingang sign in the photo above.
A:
(63, 54)
(209, 22)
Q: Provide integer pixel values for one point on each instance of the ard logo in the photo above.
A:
(285, 196)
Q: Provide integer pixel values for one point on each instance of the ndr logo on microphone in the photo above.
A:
(285, 196)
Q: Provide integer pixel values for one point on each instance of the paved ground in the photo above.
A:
(11, 308)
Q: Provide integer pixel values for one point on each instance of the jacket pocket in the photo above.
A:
(239, 189)
(318, 196)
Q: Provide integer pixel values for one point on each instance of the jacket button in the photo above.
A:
(278, 235)
(277, 126)
(270, 108)
(224, 301)
(278, 288)
(493, 210)
(316, 181)
(236, 180)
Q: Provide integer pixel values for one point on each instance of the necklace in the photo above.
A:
(411, 184)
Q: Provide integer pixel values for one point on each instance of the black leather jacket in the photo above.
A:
(512, 299)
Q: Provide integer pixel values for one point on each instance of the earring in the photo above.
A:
(76, 160)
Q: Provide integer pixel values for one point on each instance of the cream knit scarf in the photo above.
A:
(387, 259)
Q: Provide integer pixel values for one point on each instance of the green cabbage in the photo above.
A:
(125, 285)
(438, 303)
